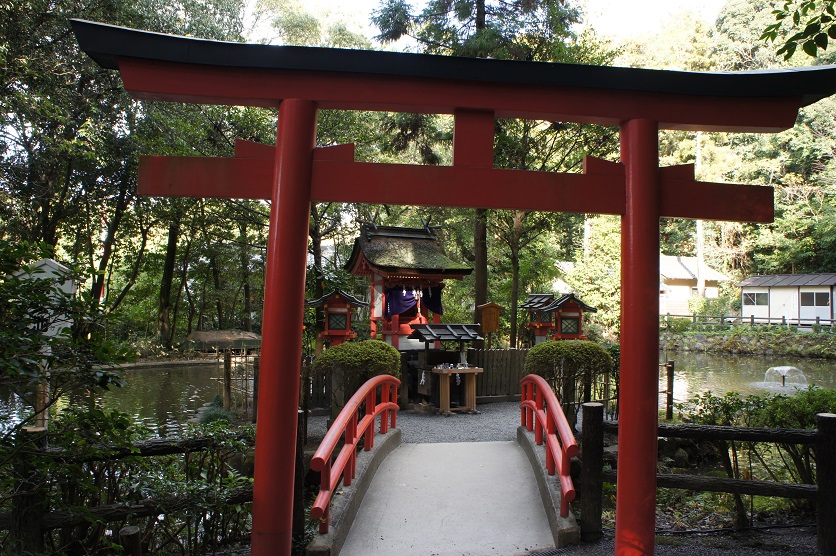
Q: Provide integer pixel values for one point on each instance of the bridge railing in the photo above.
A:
(540, 411)
(350, 428)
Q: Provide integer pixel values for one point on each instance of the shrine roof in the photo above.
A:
(566, 298)
(445, 332)
(392, 249)
(350, 299)
(537, 301)
(765, 100)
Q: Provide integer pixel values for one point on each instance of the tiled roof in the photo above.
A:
(537, 301)
(565, 298)
(789, 280)
(353, 301)
(444, 332)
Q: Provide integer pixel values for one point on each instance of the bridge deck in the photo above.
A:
(474, 499)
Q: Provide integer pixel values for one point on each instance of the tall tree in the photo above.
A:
(539, 30)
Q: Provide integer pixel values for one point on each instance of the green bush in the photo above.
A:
(570, 366)
(360, 359)
(555, 360)
(353, 363)
(678, 326)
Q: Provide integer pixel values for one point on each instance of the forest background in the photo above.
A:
(160, 268)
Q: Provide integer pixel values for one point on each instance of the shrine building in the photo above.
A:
(406, 269)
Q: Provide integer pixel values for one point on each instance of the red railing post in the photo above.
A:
(384, 399)
(538, 427)
(368, 439)
(325, 485)
(394, 412)
(559, 439)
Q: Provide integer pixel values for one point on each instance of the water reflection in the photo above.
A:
(163, 398)
(697, 373)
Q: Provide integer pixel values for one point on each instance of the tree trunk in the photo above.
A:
(515, 291)
(480, 252)
(245, 272)
(164, 307)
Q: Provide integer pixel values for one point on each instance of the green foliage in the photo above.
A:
(31, 303)
(678, 326)
(555, 359)
(716, 306)
(363, 360)
(570, 366)
(191, 489)
(814, 22)
(596, 277)
(781, 462)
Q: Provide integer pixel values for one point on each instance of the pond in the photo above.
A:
(166, 397)
(696, 373)
(163, 398)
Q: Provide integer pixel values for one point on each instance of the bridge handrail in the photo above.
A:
(346, 424)
(539, 410)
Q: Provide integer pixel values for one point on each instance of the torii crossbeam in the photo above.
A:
(299, 81)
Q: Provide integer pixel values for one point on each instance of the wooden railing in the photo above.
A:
(823, 492)
(348, 427)
(751, 320)
(540, 411)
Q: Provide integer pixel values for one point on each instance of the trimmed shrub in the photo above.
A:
(570, 366)
(353, 363)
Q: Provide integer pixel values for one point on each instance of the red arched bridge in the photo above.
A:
(464, 498)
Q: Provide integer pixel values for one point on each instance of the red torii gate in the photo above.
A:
(299, 81)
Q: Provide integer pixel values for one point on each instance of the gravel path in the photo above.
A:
(499, 421)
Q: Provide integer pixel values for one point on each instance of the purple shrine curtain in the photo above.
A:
(400, 299)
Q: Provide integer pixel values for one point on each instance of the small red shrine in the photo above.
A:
(406, 269)
(567, 322)
(337, 306)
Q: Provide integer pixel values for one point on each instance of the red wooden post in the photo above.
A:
(284, 294)
(538, 427)
(638, 415)
(550, 430)
(384, 418)
(394, 414)
(368, 439)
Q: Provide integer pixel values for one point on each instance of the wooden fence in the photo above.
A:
(823, 492)
(503, 371)
(751, 320)
(31, 518)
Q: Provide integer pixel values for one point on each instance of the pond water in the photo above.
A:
(166, 397)
(163, 398)
(696, 373)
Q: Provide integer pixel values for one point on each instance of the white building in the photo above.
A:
(801, 299)
(681, 278)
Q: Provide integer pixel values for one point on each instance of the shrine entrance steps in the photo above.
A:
(475, 498)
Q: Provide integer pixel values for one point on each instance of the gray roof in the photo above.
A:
(789, 280)
(444, 332)
(566, 298)
(537, 301)
(353, 301)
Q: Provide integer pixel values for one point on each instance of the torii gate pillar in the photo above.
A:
(638, 397)
(284, 305)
